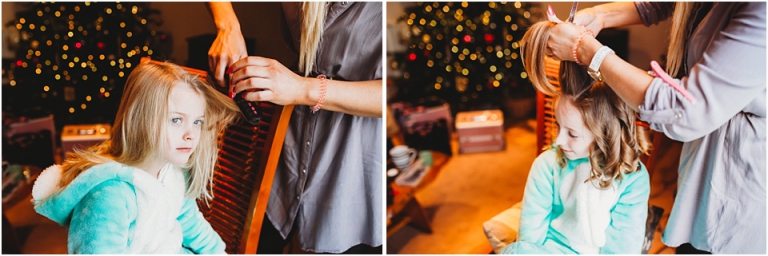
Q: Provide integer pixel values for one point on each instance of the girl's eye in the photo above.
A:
(572, 135)
(199, 122)
(176, 120)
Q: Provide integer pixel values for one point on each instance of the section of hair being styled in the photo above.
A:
(533, 47)
(313, 22)
(138, 130)
(619, 141)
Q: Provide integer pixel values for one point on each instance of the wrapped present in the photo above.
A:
(29, 141)
(480, 131)
(83, 136)
(425, 126)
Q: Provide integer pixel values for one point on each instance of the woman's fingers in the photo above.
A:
(250, 72)
(218, 71)
(263, 95)
(551, 15)
(273, 81)
(217, 64)
(250, 83)
(251, 61)
(588, 18)
(562, 39)
(551, 55)
(249, 67)
(548, 52)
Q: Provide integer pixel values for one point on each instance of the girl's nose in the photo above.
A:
(560, 140)
(189, 132)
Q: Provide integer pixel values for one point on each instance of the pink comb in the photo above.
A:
(667, 79)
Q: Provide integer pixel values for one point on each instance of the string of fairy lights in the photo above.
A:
(467, 51)
(74, 57)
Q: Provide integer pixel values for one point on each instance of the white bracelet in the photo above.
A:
(597, 59)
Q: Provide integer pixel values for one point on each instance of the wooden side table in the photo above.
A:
(22, 186)
(21, 189)
(405, 209)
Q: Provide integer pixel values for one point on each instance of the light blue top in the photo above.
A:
(101, 208)
(543, 203)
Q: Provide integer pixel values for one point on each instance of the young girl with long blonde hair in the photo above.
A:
(136, 192)
(589, 192)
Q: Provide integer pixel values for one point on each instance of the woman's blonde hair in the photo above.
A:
(619, 141)
(677, 37)
(313, 22)
(138, 132)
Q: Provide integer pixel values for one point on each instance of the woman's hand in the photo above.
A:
(562, 38)
(588, 18)
(270, 80)
(228, 48)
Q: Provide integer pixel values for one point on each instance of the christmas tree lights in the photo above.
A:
(72, 58)
(466, 53)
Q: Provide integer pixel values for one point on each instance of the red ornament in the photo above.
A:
(100, 45)
(412, 56)
(467, 38)
(19, 63)
(78, 45)
(488, 38)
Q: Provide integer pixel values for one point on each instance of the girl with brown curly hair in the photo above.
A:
(589, 192)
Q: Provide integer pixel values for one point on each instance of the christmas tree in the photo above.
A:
(466, 53)
(72, 59)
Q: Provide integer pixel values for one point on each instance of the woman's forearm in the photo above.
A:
(617, 14)
(224, 16)
(628, 81)
(359, 98)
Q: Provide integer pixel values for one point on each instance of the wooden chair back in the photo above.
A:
(546, 124)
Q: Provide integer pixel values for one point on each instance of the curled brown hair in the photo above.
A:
(619, 141)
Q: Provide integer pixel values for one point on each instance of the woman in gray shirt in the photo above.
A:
(718, 54)
(327, 190)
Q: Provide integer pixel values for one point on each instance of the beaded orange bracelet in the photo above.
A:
(576, 46)
(321, 98)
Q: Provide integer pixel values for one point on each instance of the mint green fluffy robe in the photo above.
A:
(100, 208)
(543, 203)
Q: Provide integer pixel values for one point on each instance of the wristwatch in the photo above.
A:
(594, 67)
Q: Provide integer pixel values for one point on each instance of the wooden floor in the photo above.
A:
(472, 188)
(468, 191)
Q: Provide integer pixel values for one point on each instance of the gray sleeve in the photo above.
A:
(651, 13)
(729, 75)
